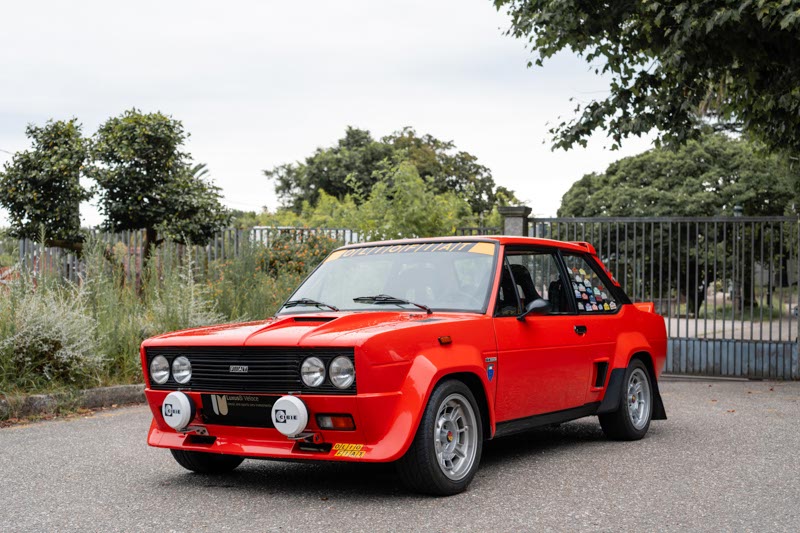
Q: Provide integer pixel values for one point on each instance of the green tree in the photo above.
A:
(403, 204)
(675, 65)
(448, 169)
(244, 219)
(354, 166)
(345, 168)
(41, 187)
(146, 181)
(706, 177)
(400, 204)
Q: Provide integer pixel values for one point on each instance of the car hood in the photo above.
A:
(315, 329)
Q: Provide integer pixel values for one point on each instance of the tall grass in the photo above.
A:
(253, 285)
(55, 334)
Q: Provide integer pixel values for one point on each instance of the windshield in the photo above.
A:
(445, 276)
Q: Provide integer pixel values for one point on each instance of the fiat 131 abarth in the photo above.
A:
(413, 352)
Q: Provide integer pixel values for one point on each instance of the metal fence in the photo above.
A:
(128, 249)
(480, 231)
(727, 287)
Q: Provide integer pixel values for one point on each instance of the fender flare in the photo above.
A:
(613, 396)
(424, 371)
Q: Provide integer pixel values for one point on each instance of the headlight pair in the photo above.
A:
(181, 369)
(341, 370)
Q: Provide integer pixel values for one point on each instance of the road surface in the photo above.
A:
(727, 459)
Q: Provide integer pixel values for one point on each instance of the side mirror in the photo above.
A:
(539, 306)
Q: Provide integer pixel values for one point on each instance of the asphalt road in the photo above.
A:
(727, 459)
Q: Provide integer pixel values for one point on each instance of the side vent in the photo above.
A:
(600, 371)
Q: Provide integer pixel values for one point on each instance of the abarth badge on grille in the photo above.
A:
(238, 369)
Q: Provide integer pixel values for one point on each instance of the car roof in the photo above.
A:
(575, 246)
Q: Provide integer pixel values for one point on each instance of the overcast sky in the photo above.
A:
(259, 83)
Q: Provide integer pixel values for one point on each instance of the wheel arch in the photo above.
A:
(426, 373)
(659, 413)
(476, 386)
(613, 396)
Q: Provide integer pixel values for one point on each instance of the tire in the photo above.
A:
(446, 451)
(206, 463)
(632, 420)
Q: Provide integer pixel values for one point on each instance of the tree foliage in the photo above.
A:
(41, 187)
(706, 177)
(675, 65)
(401, 204)
(356, 163)
(145, 180)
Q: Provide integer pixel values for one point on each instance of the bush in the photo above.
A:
(8, 250)
(56, 334)
(255, 284)
(287, 254)
(49, 335)
(166, 298)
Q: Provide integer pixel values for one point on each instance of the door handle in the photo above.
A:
(580, 330)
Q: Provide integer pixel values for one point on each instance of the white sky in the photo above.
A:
(259, 83)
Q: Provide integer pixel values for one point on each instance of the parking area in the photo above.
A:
(727, 459)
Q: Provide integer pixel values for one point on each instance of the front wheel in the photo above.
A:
(632, 420)
(206, 463)
(447, 447)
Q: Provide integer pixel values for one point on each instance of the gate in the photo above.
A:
(727, 287)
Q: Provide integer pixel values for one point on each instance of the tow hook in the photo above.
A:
(315, 438)
(197, 430)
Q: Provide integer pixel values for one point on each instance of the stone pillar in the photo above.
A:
(515, 220)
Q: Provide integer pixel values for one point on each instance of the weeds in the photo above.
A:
(56, 335)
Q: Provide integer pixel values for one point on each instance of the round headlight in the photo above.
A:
(159, 369)
(313, 372)
(181, 370)
(343, 374)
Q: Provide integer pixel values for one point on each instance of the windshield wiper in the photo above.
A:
(308, 301)
(385, 299)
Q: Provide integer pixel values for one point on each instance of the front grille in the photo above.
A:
(269, 370)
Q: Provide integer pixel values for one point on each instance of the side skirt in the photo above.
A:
(519, 425)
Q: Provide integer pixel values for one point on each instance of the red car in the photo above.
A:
(415, 352)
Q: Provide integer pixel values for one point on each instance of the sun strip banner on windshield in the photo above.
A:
(486, 248)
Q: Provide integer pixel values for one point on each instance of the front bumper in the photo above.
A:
(384, 427)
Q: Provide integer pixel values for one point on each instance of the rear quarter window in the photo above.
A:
(589, 288)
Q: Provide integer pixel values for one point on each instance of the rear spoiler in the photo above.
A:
(587, 245)
(647, 307)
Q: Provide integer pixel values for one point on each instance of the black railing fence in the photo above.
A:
(727, 287)
(128, 247)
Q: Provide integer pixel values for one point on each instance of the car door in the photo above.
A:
(598, 306)
(541, 366)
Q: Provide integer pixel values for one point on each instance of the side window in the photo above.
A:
(528, 276)
(588, 288)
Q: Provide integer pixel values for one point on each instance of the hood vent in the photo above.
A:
(313, 318)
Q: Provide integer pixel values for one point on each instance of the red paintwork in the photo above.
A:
(542, 366)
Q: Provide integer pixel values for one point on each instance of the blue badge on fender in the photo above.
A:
(490, 372)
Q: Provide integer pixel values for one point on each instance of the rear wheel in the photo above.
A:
(446, 450)
(206, 463)
(632, 420)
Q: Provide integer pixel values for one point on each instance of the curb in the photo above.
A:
(41, 404)
(690, 377)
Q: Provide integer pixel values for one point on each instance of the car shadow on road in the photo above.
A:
(376, 481)
(535, 442)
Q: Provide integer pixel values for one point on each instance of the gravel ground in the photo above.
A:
(726, 460)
